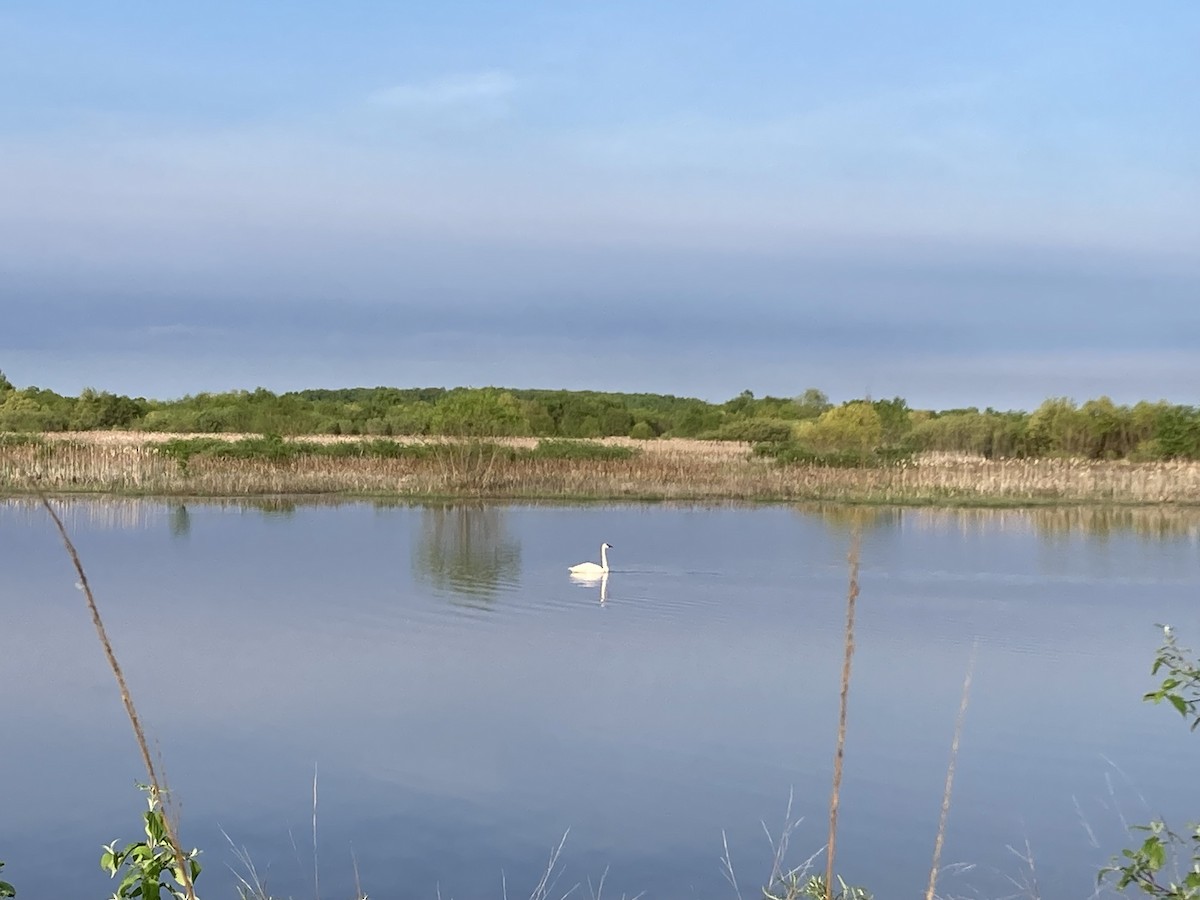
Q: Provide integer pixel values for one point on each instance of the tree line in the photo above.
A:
(804, 426)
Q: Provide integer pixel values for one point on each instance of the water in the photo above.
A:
(461, 703)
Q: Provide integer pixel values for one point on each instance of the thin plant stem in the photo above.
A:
(840, 753)
(181, 863)
(316, 868)
(945, 814)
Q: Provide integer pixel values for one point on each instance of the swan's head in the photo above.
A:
(606, 545)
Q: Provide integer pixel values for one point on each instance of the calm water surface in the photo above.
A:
(463, 703)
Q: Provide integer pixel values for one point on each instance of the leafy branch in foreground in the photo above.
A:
(151, 866)
(1181, 687)
(1164, 849)
(6, 889)
(1143, 866)
(793, 887)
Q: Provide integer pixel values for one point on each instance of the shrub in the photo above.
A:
(551, 449)
(796, 453)
(753, 431)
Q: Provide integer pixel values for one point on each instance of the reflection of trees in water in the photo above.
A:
(180, 521)
(273, 507)
(846, 517)
(465, 549)
(97, 513)
(1058, 521)
(1152, 522)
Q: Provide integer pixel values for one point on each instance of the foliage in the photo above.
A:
(1095, 429)
(94, 410)
(811, 404)
(150, 867)
(797, 886)
(6, 889)
(478, 414)
(695, 419)
(754, 431)
(1181, 687)
(852, 427)
(895, 420)
(795, 453)
(1178, 431)
(643, 431)
(1143, 867)
(991, 434)
(550, 449)
(273, 448)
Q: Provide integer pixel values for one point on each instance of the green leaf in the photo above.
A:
(1179, 703)
(154, 827)
(1155, 853)
(141, 852)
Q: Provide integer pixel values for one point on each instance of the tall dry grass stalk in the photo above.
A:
(316, 857)
(840, 754)
(935, 867)
(156, 784)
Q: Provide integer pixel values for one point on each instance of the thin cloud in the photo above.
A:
(452, 91)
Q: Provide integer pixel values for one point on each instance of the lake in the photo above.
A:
(461, 703)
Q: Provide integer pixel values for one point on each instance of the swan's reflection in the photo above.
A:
(588, 580)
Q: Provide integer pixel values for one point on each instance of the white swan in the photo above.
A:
(590, 568)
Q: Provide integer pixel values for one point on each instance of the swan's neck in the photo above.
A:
(604, 557)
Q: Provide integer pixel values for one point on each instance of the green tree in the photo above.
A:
(812, 403)
(478, 413)
(743, 403)
(895, 420)
(1109, 429)
(34, 410)
(104, 410)
(853, 427)
(697, 418)
(1178, 432)
(1057, 428)
(642, 431)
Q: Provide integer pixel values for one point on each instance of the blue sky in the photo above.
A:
(985, 203)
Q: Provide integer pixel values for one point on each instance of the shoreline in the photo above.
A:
(423, 469)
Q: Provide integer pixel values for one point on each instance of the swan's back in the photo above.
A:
(590, 568)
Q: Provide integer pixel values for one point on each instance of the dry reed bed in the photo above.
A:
(666, 469)
(675, 448)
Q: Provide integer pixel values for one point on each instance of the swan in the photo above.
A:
(590, 568)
